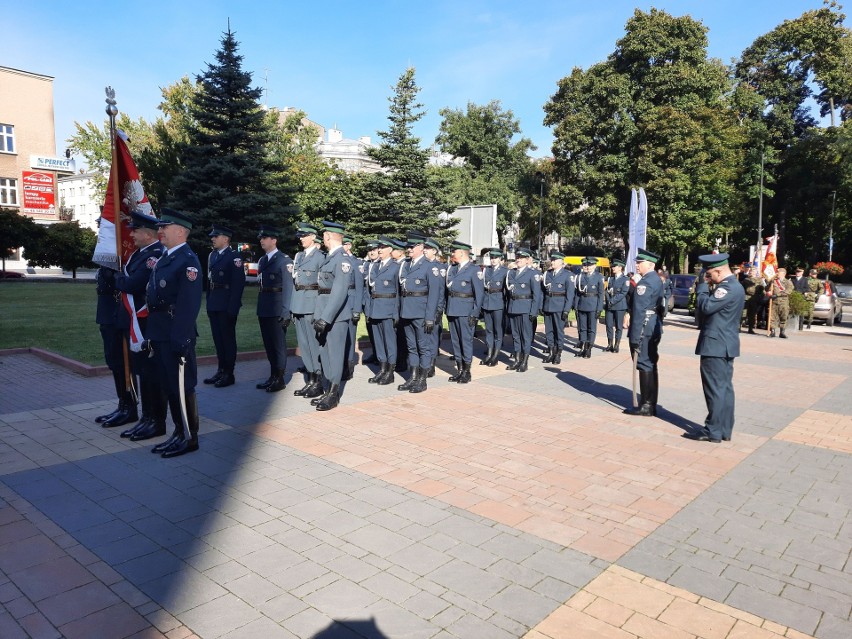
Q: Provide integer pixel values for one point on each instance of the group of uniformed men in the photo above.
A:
(151, 305)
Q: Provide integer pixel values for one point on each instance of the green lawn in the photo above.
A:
(60, 317)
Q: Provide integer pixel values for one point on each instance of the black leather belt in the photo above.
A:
(555, 294)
(521, 297)
(495, 290)
(307, 287)
(214, 286)
(383, 296)
(414, 293)
(324, 291)
(454, 294)
(270, 289)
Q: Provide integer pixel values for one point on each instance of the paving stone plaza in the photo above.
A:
(516, 506)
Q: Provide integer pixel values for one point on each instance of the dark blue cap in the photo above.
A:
(557, 256)
(590, 260)
(267, 231)
(523, 252)
(384, 240)
(495, 252)
(218, 229)
(644, 255)
(139, 220)
(713, 261)
(306, 229)
(332, 227)
(617, 262)
(432, 243)
(399, 244)
(461, 246)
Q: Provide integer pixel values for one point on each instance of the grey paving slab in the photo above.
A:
(777, 551)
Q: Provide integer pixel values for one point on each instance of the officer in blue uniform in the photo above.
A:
(306, 266)
(419, 287)
(523, 298)
(589, 304)
(371, 256)
(494, 305)
(558, 297)
(226, 281)
(107, 307)
(275, 284)
(615, 305)
(646, 330)
(174, 300)
(333, 313)
(720, 299)
(398, 255)
(431, 248)
(381, 305)
(356, 302)
(132, 281)
(465, 293)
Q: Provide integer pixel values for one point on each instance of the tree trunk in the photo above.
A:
(73, 273)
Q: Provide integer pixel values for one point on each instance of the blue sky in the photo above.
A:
(338, 60)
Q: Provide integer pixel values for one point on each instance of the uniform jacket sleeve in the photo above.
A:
(570, 292)
(286, 287)
(433, 299)
(601, 288)
(478, 291)
(358, 277)
(188, 302)
(237, 284)
(535, 309)
(339, 289)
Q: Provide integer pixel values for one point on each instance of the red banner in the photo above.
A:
(132, 198)
(39, 193)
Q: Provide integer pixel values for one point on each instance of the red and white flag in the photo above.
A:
(770, 262)
(132, 198)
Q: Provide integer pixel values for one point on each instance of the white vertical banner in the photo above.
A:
(642, 221)
(630, 262)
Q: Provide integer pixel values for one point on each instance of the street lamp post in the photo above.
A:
(831, 227)
(540, 176)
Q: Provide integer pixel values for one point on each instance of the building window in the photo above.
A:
(8, 192)
(7, 138)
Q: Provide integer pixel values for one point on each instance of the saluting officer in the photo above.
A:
(464, 301)
(333, 313)
(430, 250)
(720, 298)
(419, 287)
(226, 281)
(356, 303)
(615, 305)
(132, 281)
(275, 283)
(558, 289)
(590, 298)
(174, 300)
(381, 305)
(645, 332)
(523, 286)
(306, 266)
(494, 305)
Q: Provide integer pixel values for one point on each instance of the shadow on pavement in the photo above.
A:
(351, 628)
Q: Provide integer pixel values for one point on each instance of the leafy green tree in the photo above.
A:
(15, 231)
(495, 162)
(64, 244)
(656, 114)
(404, 195)
(226, 175)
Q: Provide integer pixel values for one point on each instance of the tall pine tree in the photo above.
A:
(405, 195)
(227, 176)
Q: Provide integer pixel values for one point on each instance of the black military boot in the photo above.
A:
(119, 393)
(227, 379)
(550, 355)
(587, 351)
(464, 375)
(457, 376)
(523, 363)
(331, 398)
(316, 400)
(277, 382)
(615, 347)
(514, 360)
(610, 347)
(782, 334)
(155, 397)
(215, 377)
(177, 433)
(581, 349)
(486, 358)
(316, 389)
(557, 358)
(645, 408)
(407, 385)
(129, 415)
(419, 381)
(146, 392)
(300, 392)
(772, 332)
(263, 385)
(431, 372)
(387, 376)
(379, 373)
(184, 446)
(348, 371)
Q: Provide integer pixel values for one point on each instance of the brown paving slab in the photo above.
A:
(623, 604)
(577, 474)
(820, 429)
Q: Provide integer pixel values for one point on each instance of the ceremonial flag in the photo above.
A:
(132, 198)
(770, 262)
(630, 264)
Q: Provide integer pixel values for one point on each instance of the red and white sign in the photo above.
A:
(39, 192)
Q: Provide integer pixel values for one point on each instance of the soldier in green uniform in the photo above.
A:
(815, 287)
(779, 289)
(753, 285)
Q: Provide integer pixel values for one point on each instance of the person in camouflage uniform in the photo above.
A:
(753, 285)
(814, 288)
(779, 289)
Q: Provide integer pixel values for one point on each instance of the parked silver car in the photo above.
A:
(844, 292)
(829, 307)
